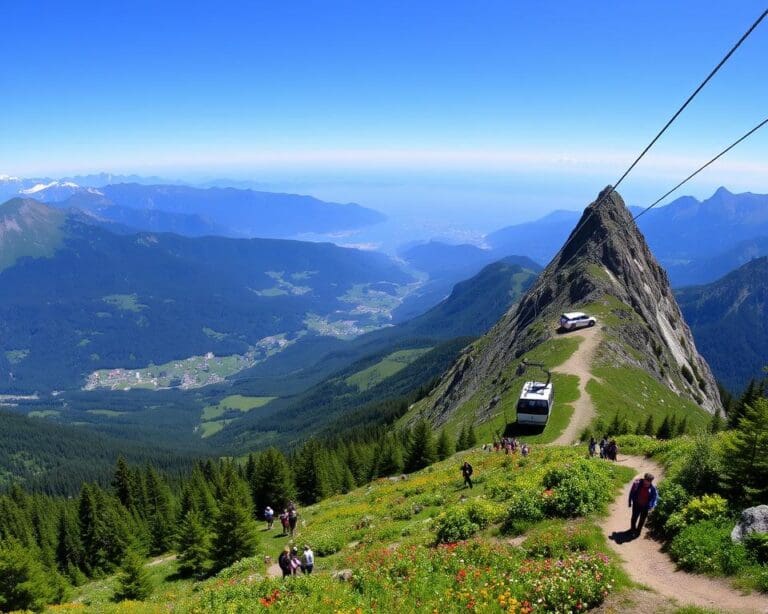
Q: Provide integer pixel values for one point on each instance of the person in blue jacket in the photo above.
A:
(642, 499)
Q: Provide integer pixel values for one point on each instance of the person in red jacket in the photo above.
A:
(642, 499)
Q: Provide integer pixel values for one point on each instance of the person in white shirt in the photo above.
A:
(309, 560)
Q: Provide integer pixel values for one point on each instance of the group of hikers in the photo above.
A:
(289, 561)
(607, 449)
(510, 445)
(288, 518)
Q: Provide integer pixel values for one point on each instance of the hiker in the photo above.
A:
(309, 560)
(295, 561)
(466, 471)
(284, 521)
(592, 447)
(525, 450)
(293, 517)
(603, 443)
(612, 449)
(284, 562)
(642, 499)
(269, 516)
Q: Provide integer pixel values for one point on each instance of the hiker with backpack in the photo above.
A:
(592, 447)
(284, 521)
(269, 516)
(284, 562)
(466, 471)
(293, 518)
(642, 499)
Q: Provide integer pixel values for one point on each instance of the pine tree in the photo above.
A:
(445, 446)
(159, 512)
(461, 440)
(673, 425)
(422, 451)
(24, 583)
(271, 482)
(236, 530)
(665, 431)
(746, 456)
(471, 440)
(650, 426)
(194, 543)
(615, 427)
(124, 485)
(133, 580)
(716, 423)
(682, 427)
(69, 550)
(389, 458)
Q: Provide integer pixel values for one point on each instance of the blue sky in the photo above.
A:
(491, 110)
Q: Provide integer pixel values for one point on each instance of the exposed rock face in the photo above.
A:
(753, 520)
(605, 259)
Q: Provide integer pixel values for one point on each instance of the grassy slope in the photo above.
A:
(386, 367)
(553, 352)
(347, 530)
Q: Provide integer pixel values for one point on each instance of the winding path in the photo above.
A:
(579, 364)
(644, 560)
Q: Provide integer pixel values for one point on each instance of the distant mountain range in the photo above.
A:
(195, 211)
(78, 297)
(729, 320)
(696, 241)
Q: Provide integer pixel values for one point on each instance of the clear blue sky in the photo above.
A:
(508, 107)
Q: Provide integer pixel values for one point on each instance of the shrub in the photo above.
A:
(576, 490)
(706, 547)
(757, 547)
(484, 513)
(708, 507)
(672, 499)
(700, 472)
(454, 525)
(325, 544)
(402, 512)
(526, 506)
(556, 539)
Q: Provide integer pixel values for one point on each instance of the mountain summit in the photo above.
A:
(605, 268)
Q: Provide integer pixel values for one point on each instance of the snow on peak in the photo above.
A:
(45, 186)
(9, 178)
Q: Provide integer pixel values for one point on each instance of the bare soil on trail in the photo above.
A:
(580, 365)
(643, 558)
(646, 563)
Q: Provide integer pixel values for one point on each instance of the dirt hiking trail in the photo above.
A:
(580, 365)
(643, 558)
(647, 564)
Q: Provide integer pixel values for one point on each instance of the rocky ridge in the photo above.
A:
(606, 266)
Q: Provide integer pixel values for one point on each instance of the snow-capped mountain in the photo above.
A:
(56, 191)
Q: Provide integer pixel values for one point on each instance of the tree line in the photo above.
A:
(50, 543)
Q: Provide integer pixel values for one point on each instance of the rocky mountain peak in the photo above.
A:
(605, 265)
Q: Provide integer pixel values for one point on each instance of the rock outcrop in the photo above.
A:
(753, 520)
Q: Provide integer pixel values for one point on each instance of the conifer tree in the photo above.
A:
(194, 542)
(271, 481)
(445, 446)
(124, 485)
(69, 550)
(745, 465)
(422, 451)
(665, 431)
(682, 427)
(236, 530)
(650, 426)
(389, 458)
(24, 583)
(716, 423)
(133, 580)
(159, 512)
(471, 439)
(673, 425)
(461, 440)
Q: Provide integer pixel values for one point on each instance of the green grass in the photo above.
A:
(387, 367)
(211, 428)
(44, 413)
(110, 413)
(631, 392)
(489, 422)
(235, 402)
(389, 518)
